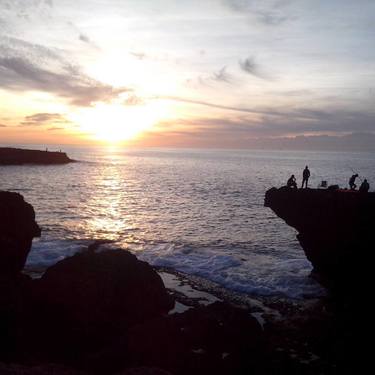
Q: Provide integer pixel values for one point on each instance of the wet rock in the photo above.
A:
(17, 230)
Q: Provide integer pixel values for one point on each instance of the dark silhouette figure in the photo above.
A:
(305, 176)
(352, 184)
(292, 182)
(365, 186)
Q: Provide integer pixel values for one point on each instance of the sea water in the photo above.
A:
(197, 211)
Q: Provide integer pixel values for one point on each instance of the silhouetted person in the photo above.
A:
(292, 182)
(305, 176)
(352, 184)
(365, 186)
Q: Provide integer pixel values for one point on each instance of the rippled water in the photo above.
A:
(198, 211)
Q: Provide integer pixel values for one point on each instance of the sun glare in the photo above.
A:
(115, 123)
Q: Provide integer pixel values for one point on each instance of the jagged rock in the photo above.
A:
(335, 228)
(17, 230)
(16, 156)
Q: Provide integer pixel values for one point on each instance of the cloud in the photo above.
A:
(355, 142)
(277, 122)
(133, 100)
(295, 120)
(222, 75)
(270, 13)
(209, 104)
(25, 66)
(84, 38)
(250, 66)
(55, 128)
(239, 134)
(3, 126)
(39, 119)
(138, 55)
(26, 9)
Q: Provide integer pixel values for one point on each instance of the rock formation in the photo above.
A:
(335, 227)
(90, 298)
(17, 230)
(104, 311)
(16, 156)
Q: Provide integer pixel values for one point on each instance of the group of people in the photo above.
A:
(292, 183)
(364, 187)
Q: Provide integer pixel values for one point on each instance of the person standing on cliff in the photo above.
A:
(292, 182)
(365, 186)
(352, 184)
(305, 176)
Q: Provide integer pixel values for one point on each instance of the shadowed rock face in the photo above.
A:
(110, 286)
(15, 156)
(93, 297)
(335, 228)
(17, 230)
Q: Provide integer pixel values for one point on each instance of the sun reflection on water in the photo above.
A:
(106, 204)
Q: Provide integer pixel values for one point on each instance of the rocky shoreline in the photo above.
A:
(18, 156)
(103, 311)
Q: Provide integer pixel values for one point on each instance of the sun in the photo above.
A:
(114, 123)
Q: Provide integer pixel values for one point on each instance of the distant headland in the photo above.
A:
(18, 156)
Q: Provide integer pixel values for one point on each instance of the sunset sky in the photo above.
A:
(208, 73)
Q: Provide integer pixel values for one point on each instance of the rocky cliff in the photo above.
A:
(335, 227)
(17, 230)
(15, 156)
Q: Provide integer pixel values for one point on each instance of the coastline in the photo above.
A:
(291, 327)
(65, 306)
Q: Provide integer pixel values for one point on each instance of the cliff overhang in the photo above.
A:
(335, 227)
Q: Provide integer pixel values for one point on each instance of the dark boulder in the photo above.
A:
(17, 230)
(90, 298)
(335, 227)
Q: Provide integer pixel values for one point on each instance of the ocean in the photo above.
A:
(196, 211)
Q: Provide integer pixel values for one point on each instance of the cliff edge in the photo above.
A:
(17, 230)
(335, 228)
(16, 156)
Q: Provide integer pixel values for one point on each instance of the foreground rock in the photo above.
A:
(16, 156)
(17, 230)
(90, 298)
(105, 312)
(335, 228)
